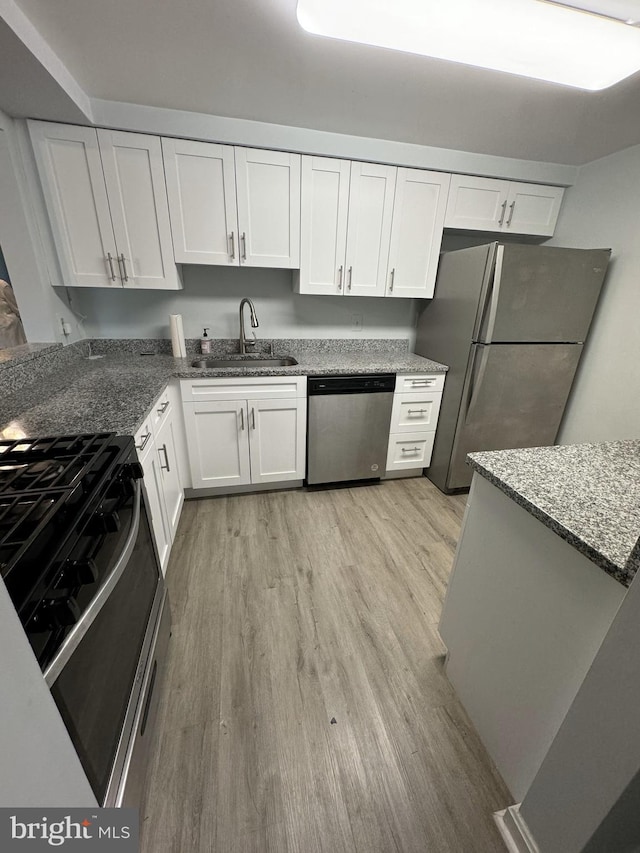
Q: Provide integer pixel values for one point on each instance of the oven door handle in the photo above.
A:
(80, 629)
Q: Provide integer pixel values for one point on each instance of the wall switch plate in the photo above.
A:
(356, 322)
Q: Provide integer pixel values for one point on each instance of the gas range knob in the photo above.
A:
(58, 610)
(80, 572)
(105, 522)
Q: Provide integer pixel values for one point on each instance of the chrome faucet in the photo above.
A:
(244, 343)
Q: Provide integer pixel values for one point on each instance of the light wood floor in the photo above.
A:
(305, 706)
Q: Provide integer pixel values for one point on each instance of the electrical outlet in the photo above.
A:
(356, 322)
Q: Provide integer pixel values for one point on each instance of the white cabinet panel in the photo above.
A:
(371, 193)
(476, 203)
(412, 382)
(277, 436)
(134, 176)
(416, 233)
(70, 169)
(323, 226)
(153, 489)
(533, 209)
(413, 412)
(218, 444)
(201, 188)
(268, 196)
(167, 459)
(408, 451)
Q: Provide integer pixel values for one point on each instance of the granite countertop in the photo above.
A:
(589, 494)
(115, 392)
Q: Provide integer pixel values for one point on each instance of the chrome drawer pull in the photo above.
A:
(166, 458)
(340, 277)
(163, 408)
(410, 449)
(242, 419)
(511, 209)
(253, 418)
(144, 442)
(416, 411)
(233, 246)
(504, 210)
(110, 259)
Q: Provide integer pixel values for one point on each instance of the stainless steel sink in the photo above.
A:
(244, 361)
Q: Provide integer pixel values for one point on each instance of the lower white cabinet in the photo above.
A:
(414, 418)
(160, 446)
(243, 440)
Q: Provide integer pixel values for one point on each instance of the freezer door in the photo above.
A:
(543, 293)
(514, 396)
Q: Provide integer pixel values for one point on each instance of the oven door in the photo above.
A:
(97, 676)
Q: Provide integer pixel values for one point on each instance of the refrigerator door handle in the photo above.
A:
(478, 370)
(495, 295)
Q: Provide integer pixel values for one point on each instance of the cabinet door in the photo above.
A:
(201, 188)
(371, 192)
(172, 492)
(476, 204)
(323, 227)
(277, 439)
(153, 489)
(533, 209)
(268, 189)
(70, 170)
(416, 232)
(217, 437)
(134, 175)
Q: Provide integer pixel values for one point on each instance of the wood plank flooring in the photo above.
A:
(305, 706)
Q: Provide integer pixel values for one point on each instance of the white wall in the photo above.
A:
(603, 210)
(211, 297)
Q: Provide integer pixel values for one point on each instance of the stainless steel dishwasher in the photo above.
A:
(348, 427)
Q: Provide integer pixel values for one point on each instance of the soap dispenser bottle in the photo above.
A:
(205, 342)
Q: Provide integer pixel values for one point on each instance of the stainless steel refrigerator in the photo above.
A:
(510, 321)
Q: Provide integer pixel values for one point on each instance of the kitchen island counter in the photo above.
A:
(589, 494)
(115, 392)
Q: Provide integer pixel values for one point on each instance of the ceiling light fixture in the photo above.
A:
(532, 38)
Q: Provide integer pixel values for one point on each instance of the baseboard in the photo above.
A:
(250, 488)
(514, 831)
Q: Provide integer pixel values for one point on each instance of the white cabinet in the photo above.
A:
(485, 204)
(369, 230)
(245, 431)
(106, 197)
(160, 444)
(416, 232)
(414, 418)
(233, 206)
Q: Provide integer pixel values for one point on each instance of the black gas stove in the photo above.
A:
(59, 497)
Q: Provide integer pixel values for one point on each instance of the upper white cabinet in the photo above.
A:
(485, 204)
(369, 230)
(201, 187)
(106, 197)
(416, 232)
(233, 206)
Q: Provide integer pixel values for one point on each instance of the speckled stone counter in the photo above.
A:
(589, 494)
(115, 392)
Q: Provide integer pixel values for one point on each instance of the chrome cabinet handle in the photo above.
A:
(232, 253)
(163, 408)
(504, 210)
(242, 418)
(511, 209)
(422, 381)
(340, 268)
(110, 260)
(123, 268)
(410, 449)
(253, 418)
(393, 275)
(166, 458)
(243, 241)
(350, 275)
(414, 411)
(144, 442)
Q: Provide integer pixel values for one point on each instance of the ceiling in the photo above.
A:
(250, 59)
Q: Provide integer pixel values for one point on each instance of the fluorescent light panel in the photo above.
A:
(530, 38)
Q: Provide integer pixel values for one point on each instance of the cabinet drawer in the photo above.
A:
(143, 438)
(413, 412)
(161, 411)
(241, 388)
(406, 383)
(409, 450)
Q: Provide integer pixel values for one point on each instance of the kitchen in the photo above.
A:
(598, 210)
